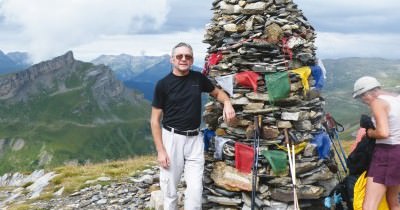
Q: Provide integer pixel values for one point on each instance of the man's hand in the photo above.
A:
(366, 122)
(229, 112)
(163, 159)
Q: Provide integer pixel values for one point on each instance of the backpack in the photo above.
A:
(358, 161)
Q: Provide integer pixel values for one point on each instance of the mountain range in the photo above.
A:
(127, 66)
(13, 61)
(340, 77)
(139, 72)
(65, 110)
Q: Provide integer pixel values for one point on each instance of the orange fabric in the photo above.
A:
(244, 157)
(247, 79)
(360, 134)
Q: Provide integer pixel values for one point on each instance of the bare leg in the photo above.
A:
(392, 197)
(373, 194)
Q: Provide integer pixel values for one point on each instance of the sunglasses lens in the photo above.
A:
(187, 57)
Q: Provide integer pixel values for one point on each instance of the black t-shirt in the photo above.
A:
(180, 99)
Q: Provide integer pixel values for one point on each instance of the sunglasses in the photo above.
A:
(186, 56)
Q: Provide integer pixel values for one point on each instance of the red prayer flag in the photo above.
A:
(215, 58)
(247, 79)
(244, 157)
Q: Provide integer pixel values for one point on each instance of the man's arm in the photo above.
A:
(155, 119)
(221, 96)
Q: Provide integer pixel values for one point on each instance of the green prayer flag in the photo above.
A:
(278, 161)
(278, 85)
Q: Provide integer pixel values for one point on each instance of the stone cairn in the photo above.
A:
(264, 37)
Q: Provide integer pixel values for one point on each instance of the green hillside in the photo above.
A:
(76, 113)
(341, 75)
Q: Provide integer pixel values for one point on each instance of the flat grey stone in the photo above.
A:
(224, 200)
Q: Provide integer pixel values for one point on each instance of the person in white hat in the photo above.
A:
(384, 170)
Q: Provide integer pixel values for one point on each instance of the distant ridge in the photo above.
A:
(139, 72)
(65, 110)
(341, 75)
(127, 66)
(13, 61)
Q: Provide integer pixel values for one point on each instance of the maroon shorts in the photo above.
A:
(385, 164)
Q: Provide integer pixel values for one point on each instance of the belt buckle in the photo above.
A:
(191, 132)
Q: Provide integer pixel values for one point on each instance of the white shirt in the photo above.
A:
(394, 120)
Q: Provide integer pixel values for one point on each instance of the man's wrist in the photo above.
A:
(227, 102)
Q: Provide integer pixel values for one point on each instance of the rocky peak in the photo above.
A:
(52, 77)
(16, 86)
(85, 102)
(55, 64)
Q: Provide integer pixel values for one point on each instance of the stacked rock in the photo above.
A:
(262, 54)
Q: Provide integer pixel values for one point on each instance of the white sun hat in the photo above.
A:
(365, 84)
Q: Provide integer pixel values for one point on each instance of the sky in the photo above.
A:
(90, 28)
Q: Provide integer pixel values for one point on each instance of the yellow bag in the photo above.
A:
(359, 194)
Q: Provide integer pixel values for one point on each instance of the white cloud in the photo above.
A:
(355, 7)
(337, 45)
(355, 16)
(53, 26)
(48, 28)
(330, 45)
(139, 44)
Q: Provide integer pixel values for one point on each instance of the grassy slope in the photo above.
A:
(341, 75)
(71, 126)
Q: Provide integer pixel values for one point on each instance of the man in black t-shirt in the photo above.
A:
(179, 144)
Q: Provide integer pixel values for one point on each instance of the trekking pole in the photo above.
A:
(339, 157)
(292, 167)
(294, 179)
(338, 171)
(340, 145)
(334, 127)
(257, 123)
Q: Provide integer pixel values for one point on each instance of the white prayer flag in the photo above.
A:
(226, 82)
(320, 64)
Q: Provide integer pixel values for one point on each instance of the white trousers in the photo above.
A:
(186, 154)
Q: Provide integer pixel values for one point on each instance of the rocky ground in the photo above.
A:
(102, 193)
(19, 191)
